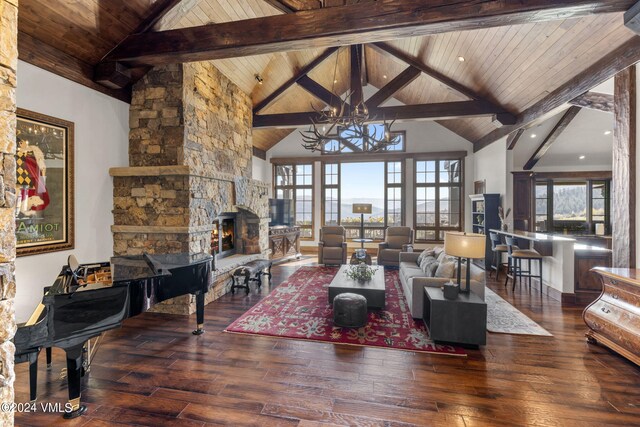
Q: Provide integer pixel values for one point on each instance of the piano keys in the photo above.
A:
(89, 299)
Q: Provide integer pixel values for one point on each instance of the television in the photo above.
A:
(281, 212)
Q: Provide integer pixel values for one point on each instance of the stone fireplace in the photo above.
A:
(190, 153)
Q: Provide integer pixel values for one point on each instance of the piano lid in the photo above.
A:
(146, 266)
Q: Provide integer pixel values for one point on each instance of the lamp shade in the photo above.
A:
(465, 245)
(362, 208)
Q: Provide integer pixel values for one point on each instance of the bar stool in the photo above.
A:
(514, 263)
(498, 249)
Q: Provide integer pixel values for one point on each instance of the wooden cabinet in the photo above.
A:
(484, 217)
(614, 318)
(284, 242)
(522, 198)
(587, 286)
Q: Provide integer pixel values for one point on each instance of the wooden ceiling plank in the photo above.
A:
(437, 111)
(158, 11)
(388, 90)
(387, 48)
(594, 101)
(357, 23)
(617, 60)
(58, 62)
(560, 127)
(571, 45)
(505, 118)
(514, 138)
(286, 85)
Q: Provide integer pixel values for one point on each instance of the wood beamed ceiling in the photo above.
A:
(522, 60)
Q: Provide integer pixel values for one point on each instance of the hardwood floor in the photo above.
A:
(153, 372)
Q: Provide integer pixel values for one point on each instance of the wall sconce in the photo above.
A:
(259, 79)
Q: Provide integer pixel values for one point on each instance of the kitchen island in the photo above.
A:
(565, 265)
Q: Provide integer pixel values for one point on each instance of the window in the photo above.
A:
(571, 206)
(357, 145)
(377, 183)
(331, 181)
(542, 206)
(438, 204)
(295, 182)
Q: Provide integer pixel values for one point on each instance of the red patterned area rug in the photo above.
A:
(299, 309)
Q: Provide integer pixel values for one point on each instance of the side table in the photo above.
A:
(462, 320)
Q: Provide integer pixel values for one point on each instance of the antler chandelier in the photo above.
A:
(348, 125)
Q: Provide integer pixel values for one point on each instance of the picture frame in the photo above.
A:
(44, 182)
(479, 187)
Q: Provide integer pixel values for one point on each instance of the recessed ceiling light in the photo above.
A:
(581, 157)
(533, 135)
(335, 81)
(384, 76)
(461, 58)
(607, 132)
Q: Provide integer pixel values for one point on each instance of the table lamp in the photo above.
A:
(464, 245)
(362, 208)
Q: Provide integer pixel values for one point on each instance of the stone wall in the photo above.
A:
(156, 137)
(190, 152)
(8, 66)
(217, 121)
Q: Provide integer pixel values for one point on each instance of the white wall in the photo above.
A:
(260, 169)
(101, 142)
(421, 137)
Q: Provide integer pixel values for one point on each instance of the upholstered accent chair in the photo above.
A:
(332, 247)
(396, 240)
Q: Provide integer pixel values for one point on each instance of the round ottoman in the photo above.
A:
(349, 310)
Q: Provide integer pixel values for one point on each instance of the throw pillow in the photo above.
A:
(425, 253)
(445, 270)
(437, 251)
(425, 262)
(432, 268)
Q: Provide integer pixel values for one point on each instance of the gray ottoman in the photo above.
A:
(349, 310)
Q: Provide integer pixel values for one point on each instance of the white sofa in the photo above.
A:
(414, 281)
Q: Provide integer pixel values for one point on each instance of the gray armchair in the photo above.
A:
(396, 240)
(332, 247)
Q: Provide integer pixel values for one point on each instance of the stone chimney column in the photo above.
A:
(8, 65)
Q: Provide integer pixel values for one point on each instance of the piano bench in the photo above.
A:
(250, 272)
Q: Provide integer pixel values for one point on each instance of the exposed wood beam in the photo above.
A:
(347, 25)
(398, 83)
(632, 18)
(514, 138)
(286, 85)
(447, 81)
(594, 101)
(319, 91)
(437, 111)
(114, 74)
(292, 6)
(356, 75)
(617, 60)
(58, 62)
(624, 170)
(259, 153)
(560, 127)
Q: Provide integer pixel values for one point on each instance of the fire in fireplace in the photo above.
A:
(223, 236)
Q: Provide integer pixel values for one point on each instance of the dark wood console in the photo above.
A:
(284, 242)
(614, 318)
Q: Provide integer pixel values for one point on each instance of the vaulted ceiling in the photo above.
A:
(513, 66)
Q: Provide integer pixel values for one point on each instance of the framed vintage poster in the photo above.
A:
(44, 183)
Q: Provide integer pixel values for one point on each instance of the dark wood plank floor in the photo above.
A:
(153, 372)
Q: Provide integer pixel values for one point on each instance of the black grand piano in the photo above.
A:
(89, 299)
